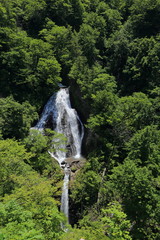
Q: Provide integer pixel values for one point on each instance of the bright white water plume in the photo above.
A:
(68, 123)
(65, 121)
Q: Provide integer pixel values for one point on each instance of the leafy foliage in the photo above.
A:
(27, 204)
(13, 115)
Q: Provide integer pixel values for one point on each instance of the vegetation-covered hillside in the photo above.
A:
(108, 51)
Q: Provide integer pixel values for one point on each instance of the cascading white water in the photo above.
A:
(64, 197)
(67, 122)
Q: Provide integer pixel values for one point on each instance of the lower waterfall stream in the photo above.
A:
(67, 122)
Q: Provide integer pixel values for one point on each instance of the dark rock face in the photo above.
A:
(83, 108)
(90, 142)
(78, 102)
(61, 85)
(74, 164)
(50, 123)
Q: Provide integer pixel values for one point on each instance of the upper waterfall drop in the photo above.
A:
(69, 124)
(65, 121)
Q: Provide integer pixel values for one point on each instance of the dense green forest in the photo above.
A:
(108, 52)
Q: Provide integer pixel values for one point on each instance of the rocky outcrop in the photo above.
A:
(74, 164)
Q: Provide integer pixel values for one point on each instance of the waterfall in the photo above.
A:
(65, 121)
(68, 123)
(64, 197)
